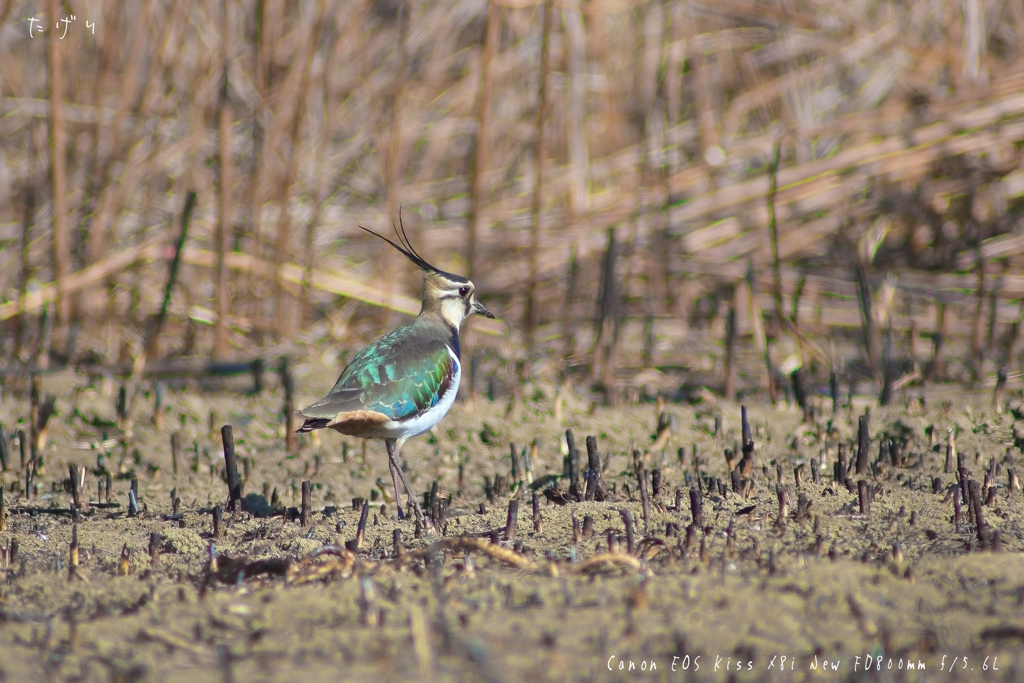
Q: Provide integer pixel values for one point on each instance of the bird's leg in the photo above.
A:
(394, 447)
(395, 474)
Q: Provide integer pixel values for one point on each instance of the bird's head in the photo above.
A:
(451, 296)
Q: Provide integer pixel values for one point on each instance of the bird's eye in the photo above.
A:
(463, 291)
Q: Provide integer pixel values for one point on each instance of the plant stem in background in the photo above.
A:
(977, 359)
(284, 226)
(938, 369)
(100, 132)
(576, 63)
(773, 232)
(309, 260)
(26, 233)
(262, 45)
(153, 343)
(530, 314)
(568, 338)
(478, 166)
(58, 179)
(608, 309)
(730, 352)
(394, 158)
(867, 316)
(224, 225)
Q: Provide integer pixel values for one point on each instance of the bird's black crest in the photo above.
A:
(410, 253)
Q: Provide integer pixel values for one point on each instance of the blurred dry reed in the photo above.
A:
(555, 151)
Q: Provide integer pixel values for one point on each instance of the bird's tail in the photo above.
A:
(311, 423)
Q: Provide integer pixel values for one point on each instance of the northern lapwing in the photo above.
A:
(403, 384)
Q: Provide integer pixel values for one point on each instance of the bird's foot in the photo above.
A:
(426, 524)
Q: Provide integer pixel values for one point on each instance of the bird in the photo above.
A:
(404, 383)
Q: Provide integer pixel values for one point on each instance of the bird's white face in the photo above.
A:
(454, 309)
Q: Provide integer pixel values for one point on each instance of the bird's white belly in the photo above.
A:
(418, 425)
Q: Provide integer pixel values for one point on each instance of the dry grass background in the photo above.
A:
(604, 171)
(898, 126)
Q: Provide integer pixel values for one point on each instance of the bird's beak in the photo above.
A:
(482, 310)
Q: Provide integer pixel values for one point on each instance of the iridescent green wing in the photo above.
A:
(398, 375)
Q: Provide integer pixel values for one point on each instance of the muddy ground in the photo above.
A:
(772, 599)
